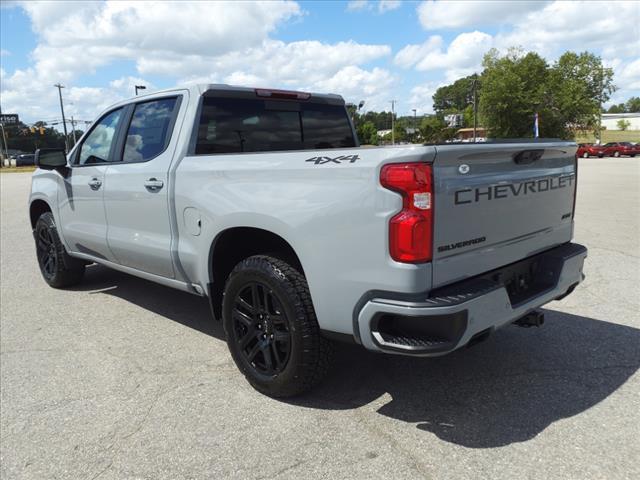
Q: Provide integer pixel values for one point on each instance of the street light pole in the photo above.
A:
(64, 123)
(139, 87)
(393, 133)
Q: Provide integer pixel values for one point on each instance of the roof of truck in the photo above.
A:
(202, 88)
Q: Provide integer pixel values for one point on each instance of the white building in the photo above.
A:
(610, 120)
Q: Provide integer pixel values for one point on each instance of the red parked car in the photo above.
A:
(615, 149)
(586, 150)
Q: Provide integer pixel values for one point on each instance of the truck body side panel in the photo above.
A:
(334, 214)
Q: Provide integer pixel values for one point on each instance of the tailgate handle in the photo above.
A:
(526, 157)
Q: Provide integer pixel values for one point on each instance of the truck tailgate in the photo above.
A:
(497, 203)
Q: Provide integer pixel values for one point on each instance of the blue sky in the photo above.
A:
(372, 51)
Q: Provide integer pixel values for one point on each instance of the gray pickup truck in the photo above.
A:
(263, 201)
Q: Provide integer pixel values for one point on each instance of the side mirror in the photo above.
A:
(50, 158)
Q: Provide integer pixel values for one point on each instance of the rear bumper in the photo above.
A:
(450, 317)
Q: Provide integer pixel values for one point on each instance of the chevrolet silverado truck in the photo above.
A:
(263, 202)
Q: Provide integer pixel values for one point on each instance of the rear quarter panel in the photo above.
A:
(334, 215)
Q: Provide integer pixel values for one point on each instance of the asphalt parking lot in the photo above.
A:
(122, 378)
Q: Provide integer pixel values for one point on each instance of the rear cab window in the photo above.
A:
(235, 125)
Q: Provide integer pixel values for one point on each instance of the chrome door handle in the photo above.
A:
(153, 184)
(95, 184)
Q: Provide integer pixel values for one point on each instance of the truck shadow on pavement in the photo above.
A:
(505, 390)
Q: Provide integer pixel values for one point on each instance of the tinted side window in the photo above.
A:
(245, 125)
(96, 147)
(148, 132)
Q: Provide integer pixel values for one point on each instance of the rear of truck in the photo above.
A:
(494, 222)
(412, 249)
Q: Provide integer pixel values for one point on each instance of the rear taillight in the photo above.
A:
(411, 230)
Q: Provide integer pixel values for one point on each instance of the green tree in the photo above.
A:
(20, 137)
(433, 129)
(623, 124)
(367, 133)
(567, 95)
(579, 85)
(456, 97)
(513, 90)
(633, 105)
(620, 108)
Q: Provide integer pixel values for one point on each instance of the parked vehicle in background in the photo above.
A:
(25, 160)
(616, 149)
(586, 150)
(262, 201)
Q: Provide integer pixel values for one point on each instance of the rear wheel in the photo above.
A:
(271, 327)
(58, 269)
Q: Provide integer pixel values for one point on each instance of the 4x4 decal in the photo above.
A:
(338, 160)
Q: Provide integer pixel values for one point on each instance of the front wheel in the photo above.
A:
(585, 155)
(58, 269)
(616, 154)
(271, 326)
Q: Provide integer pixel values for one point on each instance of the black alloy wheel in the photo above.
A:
(261, 329)
(47, 253)
(58, 269)
(272, 330)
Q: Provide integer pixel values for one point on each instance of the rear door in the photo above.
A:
(136, 195)
(498, 203)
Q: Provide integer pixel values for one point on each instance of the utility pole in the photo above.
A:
(64, 123)
(415, 122)
(393, 133)
(475, 108)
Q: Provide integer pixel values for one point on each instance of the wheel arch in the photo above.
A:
(36, 208)
(234, 244)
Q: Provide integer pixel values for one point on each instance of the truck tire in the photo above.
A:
(271, 326)
(58, 269)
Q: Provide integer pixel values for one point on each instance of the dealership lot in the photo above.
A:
(122, 378)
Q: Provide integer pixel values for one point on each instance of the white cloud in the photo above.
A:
(356, 84)
(612, 28)
(421, 97)
(228, 42)
(355, 5)
(388, 5)
(4, 53)
(462, 57)
(435, 15)
(381, 6)
(609, 29)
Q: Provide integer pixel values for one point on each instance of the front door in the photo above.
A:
(136, 193)
(80, 203)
